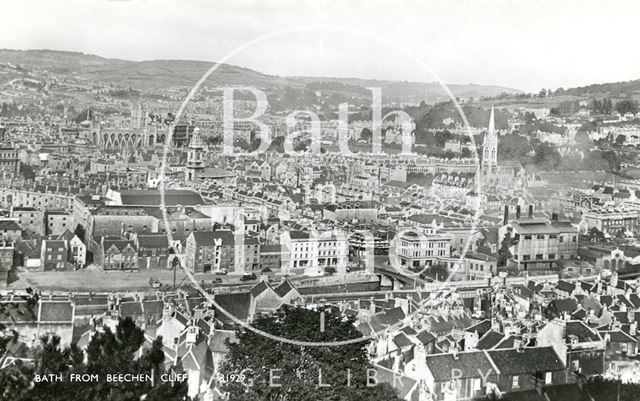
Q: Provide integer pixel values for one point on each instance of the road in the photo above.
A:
(98, 280)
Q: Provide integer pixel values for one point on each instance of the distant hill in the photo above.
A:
(611, 89)
(141, 75)
(403, 91)
(160, 75)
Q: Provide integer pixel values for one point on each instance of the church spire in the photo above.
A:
(492, 123)
(490, 145)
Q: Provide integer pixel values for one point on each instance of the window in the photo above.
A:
(539, 256)
(526, 257)
(476, 384)
(527, 237)
(515, 382)
(540, 236)
(552, 256)
(547, 377)
(561, 239)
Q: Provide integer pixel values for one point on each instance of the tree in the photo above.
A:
(602, 389)
(546, 156)
(627, 106)
(437, 272)
(620, 139)
(107, 353)
(27, 171)
(612, 160)
(582, 139)
(595, 235)
(503, 253)
(466, 153)
(298, 369)
(366, 135)
(15, 381)
(513, 147)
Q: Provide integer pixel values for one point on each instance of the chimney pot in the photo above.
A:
(506, 215)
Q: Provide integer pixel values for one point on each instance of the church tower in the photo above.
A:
(490, 146)
(195, 156)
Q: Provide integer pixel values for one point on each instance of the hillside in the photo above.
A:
(160, 75)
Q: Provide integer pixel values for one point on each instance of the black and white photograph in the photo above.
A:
(319, 200)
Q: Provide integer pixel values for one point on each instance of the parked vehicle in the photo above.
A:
(248, 277)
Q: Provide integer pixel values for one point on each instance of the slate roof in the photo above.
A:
(467, 363)
(9, 225)
(120, 244)
(236, 304)
(526, 360)
(260, 288)
(284, 288)
(204, 238)
(401, 340)
(490, 340)
(583, 332)
(425, 337)
(56, 312)
(133, 308)
(153, 241)
(619, 336)
(481, 327)
(565, 286)
(172, 197)
(563, 305)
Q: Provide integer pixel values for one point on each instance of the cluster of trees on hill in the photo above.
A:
(627, 106)
(297, 370)
(614, 89)
(476, 116)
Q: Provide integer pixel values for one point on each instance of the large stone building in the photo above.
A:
(414, 248)
(9, 162)
(535, 242)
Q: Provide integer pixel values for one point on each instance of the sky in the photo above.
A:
(527, 45)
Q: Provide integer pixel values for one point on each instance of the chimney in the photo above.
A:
(192, 335)
(372, 306)
(614, 280)
(397, 362)
(505, 220)
(518, 211)
(530, 211)
(518, 344)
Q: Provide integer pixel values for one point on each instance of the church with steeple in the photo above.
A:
(490, 146)
(489, 172)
